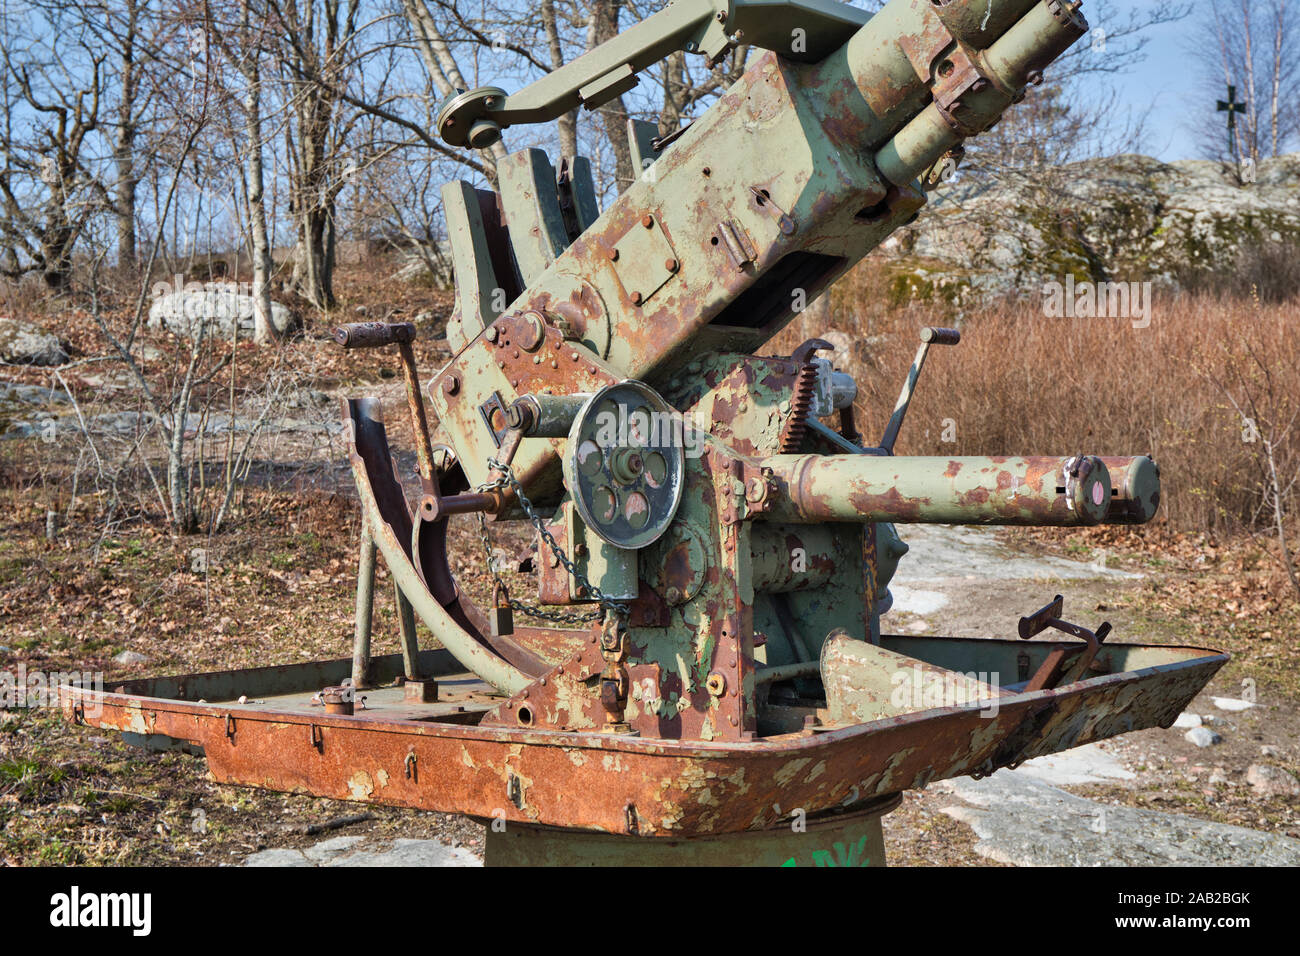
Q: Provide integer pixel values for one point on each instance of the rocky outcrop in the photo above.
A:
(218, 306)
(25, 343)
(1126, 218)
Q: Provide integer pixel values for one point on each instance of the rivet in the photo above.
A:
(647, 220)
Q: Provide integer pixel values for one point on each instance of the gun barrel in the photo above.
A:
(1059, 492)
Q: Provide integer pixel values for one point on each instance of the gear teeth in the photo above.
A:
(801, 402)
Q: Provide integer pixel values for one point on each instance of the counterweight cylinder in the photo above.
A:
(1061, 492)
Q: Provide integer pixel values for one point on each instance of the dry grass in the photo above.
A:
(1022, 383)
(280, 581)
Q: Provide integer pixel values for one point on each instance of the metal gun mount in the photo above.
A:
(715, 542)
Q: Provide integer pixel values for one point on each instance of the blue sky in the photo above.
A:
(1164, 82)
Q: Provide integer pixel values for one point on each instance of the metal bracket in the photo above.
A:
(496, 402)
(1051, 671)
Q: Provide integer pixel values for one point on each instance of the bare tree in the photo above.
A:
(242, 37)
(1258, 45)
(51, 97)
(314, 60)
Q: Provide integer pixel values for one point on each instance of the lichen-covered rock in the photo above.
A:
(216, 305)
(1272, 781)
(25, 343)
(1126, 218)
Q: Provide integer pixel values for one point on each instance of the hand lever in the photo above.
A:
(929, 336)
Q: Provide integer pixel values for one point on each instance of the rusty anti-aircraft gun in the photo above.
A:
(715, 538)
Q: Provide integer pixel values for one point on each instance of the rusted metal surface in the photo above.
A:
(834, 838)
(586, 780)
(995, 490)
(734, 661)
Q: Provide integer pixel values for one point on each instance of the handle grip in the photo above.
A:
(937, 336)
(374, 335)
(1041, 619)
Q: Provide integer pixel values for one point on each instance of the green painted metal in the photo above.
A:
(476, 280)
(843, 839)
(583, 190)
(450, 633)
(801, 30)
(737, 660)
(641, 135)
(532, 210)
(966, 490)
(365, 609)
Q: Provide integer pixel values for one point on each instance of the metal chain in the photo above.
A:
(507, 479)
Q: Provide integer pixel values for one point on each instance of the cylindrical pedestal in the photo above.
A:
(850, 837)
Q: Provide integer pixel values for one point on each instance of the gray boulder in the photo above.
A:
(216, 305)
(25, 343)
(1270, 781)
(1125, 218)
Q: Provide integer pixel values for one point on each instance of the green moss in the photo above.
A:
(906, 286)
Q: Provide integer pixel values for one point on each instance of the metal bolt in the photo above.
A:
(647, 220)
(451, 384)
(491, 334)
(636, 298)
(671, 265)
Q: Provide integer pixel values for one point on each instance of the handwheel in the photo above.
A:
(624, 464)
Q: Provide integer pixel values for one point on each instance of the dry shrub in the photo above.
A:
(1024, 384)
(1268, 271)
